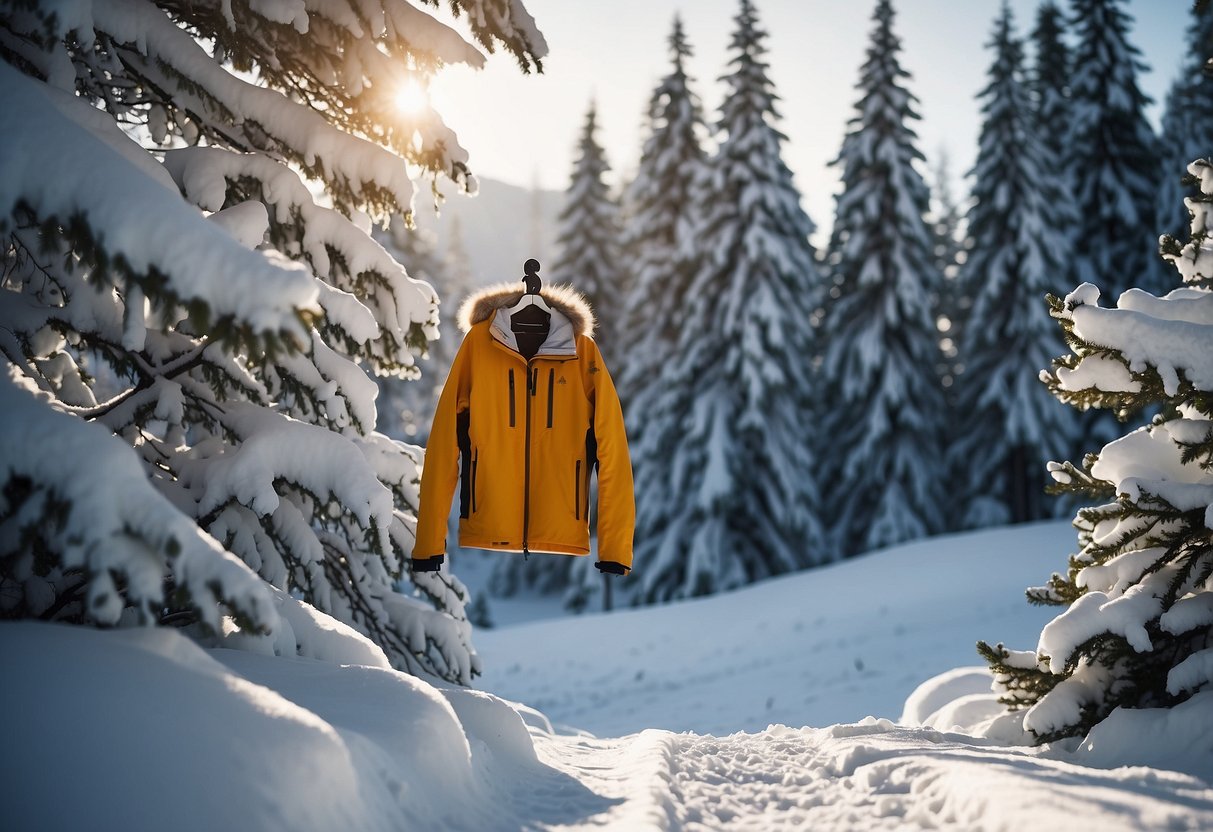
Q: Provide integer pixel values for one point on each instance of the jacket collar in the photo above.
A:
(560, 341)
(481, 305)
(571, 316)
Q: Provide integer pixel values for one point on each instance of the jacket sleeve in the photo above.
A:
(440, 471)
(616, 501)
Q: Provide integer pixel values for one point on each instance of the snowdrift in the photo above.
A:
(144, 729)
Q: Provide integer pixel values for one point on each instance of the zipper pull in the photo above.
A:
(534, 381)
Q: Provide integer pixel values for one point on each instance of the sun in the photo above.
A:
(412, 99)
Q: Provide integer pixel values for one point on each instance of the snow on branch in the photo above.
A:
(136, 220)
(1139, 621)
(360, 276)
(268, 453)
(507, 22)
(112, 527)
(1172, 335)
(355, 165)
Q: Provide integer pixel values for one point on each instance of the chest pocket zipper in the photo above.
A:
(551, 383)
(466, 467)
(475, 463)
(512, 397)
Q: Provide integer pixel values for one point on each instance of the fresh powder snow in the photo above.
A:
(132, 721)
(834, 644)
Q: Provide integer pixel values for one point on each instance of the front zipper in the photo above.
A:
(526, 466)
(532, 391)
(577, 492)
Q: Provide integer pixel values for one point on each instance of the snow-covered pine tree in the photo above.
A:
(882, 454)
(660, 220)
(589, 238)
(1049, 80)
(1111, 154)
(186, 329)
(1009, 427)
(742, 482)
(1187, 122)
(1138, 628)
(659, 216)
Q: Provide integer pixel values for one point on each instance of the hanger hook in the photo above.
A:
(530, 271)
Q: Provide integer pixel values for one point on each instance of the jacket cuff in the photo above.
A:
(612, 567)
(430, 564)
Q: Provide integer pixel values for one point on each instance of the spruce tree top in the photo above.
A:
(591, 164)
(1106, 64)
(660, 206)
(672, 149)
(1050, 77)
(884, 199)
(589, 232)
(750, 72)
(748, 175)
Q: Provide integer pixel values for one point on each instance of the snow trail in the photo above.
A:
(872, 776)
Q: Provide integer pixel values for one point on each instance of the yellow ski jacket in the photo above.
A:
(521, 438)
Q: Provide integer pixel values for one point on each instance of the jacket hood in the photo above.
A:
(563, 298)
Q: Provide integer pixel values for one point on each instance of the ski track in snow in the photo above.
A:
(870, 776)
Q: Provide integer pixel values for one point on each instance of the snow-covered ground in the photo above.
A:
(867, 776)
(815, 648)
(142, 729)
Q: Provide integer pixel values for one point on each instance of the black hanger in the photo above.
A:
(531, 317)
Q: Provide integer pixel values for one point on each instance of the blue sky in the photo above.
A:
(522, 129)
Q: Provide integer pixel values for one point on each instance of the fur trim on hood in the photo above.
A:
(481, 305)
